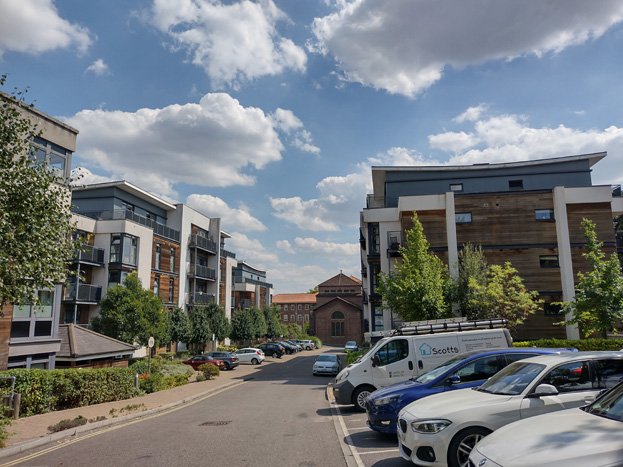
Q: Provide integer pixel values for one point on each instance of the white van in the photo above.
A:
(400, 357)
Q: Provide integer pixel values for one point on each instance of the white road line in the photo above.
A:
(384, 451)
(346, 440)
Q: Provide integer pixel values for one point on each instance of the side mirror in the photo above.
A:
(453, 379)
(545, 390)
(376, 361)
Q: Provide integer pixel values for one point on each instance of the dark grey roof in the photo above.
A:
(79, 343)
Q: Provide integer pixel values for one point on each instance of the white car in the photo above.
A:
(591, 435)
(250, 355)
(442, 429)
(308, 344)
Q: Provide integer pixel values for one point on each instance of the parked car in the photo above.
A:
(327, 364)
(250, 355)
(199, 360)
(298, 346)
(230, 360)
(273, 349)
(466, 370)
(290, 348)
(444, 428)
(351, 346)
(590, 435)
(308, 344)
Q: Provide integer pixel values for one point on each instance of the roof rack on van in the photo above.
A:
(439, 325)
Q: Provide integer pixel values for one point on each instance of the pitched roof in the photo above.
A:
(294, 298)
(79, 343)
(319, 308)
(340, 280)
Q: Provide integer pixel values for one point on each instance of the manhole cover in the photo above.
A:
(215, 423)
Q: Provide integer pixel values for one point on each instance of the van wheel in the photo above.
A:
(462, 445)
(359, 397)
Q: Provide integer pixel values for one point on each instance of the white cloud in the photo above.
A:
(233, 42)
(216, 142)
(83, 176)
(232, 219)
(472, 114)
(34, 26)
(286, 246)
(251, 251)
(452, 141)
(403, 46)
(341, 251)
(99, 68)
(307, 215)
(286, 121)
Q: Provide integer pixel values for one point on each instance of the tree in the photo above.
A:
(178, 327)
(293, 331)
(502, 296)
(472, 267)
(274, 327)
(242, 326)
(418, 289)
(35, 222)
(314, 290)
(218, 322)
(598, 302)
(131, 314)
(259, 322)
(200, 327)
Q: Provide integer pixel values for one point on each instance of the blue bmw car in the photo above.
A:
(463, 371)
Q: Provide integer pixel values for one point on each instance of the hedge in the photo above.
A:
(581, 345)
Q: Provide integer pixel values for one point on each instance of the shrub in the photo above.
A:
(201, 377)
(227, 348)
(581, 345)
(4, 433)
(209, 370)
(153, 383)
(351, 357)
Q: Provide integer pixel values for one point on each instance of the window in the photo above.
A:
(549, 261)
(515, 184)
(609, 372)
(292, 318)
(285, 307)
(463, 217)
(337, 324)
(307, 306)
(375, 239)
(34, 320)
(156, 285)
(299, 307)
(570, 377)
(123, 248)
(285, 317)
(115, 249)
(456, 187)
(393, 351)
(55, 157)
(544, 214)
(116, 276)
(130, 245)
(172, 260)
(171, 289)
(478, 370)
(306, 317)
(300, 317)
(552, 309)
(158, 256)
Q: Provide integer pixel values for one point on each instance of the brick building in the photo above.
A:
(295, 308)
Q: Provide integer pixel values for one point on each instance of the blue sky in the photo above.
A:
(269, 114)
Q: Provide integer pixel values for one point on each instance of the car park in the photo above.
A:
(250, 355)
(327, 364)
(199, 360)
(466, 370)
(290, 348)
(230, 360)
(273, 349)
(590, 435)
(351, 346)
(442, 429)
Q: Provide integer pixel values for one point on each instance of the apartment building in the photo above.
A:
(528, 213)
(296, 308)
(250, 287)
(29, 335)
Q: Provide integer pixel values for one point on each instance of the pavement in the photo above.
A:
(32, 432)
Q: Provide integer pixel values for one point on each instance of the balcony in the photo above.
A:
(227, 254)
(375, 202)
(203, 243)
(159, 229)
(82, 293)
(199, 298)
(394, 242)
(91, 255)
(199, 271)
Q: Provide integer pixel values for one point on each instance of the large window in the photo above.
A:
(116, 277)
(34, 320)
(55, 157)
(171, 289)
(158, 256)
(123, 249)
(393, 351)
(375, 239)
(172, 260)
(337, 324)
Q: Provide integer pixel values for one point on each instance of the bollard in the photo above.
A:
(16, 403)
(136, 380)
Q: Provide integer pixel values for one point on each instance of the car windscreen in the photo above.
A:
(435, 372)
(325, 358)
(610, 405)
(513, 379)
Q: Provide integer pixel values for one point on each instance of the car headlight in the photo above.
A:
(429, 426)
(386, 400)
(343, 375)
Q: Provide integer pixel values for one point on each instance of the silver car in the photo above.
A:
(327, 364)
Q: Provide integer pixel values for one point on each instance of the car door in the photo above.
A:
(576, 384)
(475, 372)
(395, 363)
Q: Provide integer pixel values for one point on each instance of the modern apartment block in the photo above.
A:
(295, 308)
(528, 213)
(28, 334)
(250, 287)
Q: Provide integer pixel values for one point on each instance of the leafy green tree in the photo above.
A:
(131, 314)
(472, 269)
(200, 327)
(293, 331)
(274, 327)
(35, 222)
(598, 303)
(419, 287)
(242, 326)
(219, 324)
(314, 290)
(503, 296)
(259, 322)
(178, 327)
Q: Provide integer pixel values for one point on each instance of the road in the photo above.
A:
(280, 417)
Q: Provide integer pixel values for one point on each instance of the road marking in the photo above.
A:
(384, 451)
(345, 438)
(63, 444)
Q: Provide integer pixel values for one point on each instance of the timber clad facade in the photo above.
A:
(528, 213)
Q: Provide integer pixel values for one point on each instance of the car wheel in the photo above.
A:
(359, 397)
(225, 366)
(254, 361)
(275, 355)
(463, 443)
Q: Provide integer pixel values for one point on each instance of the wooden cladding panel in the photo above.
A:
(5, 335)
(165, 255)
(505, 220)
(539, 326)
(599, 213)
(528, 266)
(433, 224)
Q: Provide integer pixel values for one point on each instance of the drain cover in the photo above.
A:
(215, 423)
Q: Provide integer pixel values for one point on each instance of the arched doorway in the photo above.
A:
(337, 324)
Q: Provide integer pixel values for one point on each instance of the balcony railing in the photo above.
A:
(246, 280)
(199, 298)
(201, 272)
(83, 293)
(394, 242)
(158, 228)
(373, 202)
(90, 255)
(227, 254)
(616, 190)
(202, 242)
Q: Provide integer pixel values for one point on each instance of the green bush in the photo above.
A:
(174, 369)
(154, 382)
(227, 348)
(209, 370)
(581, 345)
(201, 377)
(317, 342)
(351, 357)
(4, 433)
